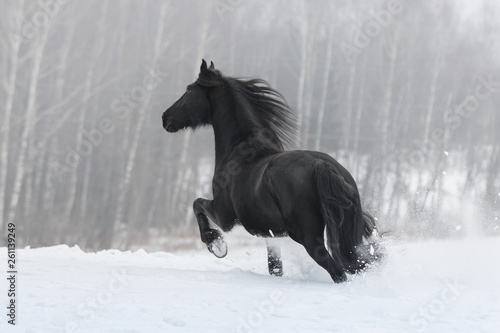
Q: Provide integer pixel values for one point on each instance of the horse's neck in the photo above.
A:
(227, 131)
(231, 147)
(226, 142)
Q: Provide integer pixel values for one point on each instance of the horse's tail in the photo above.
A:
(371, 249)
(346, 224)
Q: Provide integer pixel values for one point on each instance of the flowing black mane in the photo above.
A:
(263, 111)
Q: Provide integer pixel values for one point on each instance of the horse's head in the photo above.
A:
(193, 109)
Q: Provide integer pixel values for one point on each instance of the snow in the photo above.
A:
(432, 286)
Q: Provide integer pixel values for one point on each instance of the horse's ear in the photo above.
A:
(203, 66)
(209, 77)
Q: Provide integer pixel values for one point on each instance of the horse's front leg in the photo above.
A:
(274, 262)
(203, 209)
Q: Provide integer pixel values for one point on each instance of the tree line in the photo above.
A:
(405, 94)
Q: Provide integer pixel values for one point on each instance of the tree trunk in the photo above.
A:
(357, 121)
(324, 86)
(309, 91)
(29, 117)
(304, 33)
(387, 101)
(10, 88)
(349, 111)
(432, 93)
(124, 185)
(88, 85)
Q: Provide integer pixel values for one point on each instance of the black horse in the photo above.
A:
(271, 192)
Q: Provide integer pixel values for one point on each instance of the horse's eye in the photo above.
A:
(188, 90)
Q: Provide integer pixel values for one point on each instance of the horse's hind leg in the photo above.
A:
(212, 237)
(315, 247)
(274, 263)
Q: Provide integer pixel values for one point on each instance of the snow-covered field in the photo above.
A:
(434, 286)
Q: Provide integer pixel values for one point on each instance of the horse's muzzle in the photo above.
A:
(168, 125)
(171, 128)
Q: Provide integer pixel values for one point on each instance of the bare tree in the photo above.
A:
(124, 184)
(89, 82)
(31, 108)
(9, 82)
(325, 85)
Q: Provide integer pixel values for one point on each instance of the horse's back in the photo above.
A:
(298, 166)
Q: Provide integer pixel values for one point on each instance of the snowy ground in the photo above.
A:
(435, 286)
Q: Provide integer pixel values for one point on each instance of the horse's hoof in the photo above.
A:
(339, 278)
(218, 247)
(276, 272)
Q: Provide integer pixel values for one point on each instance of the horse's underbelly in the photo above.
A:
(260, 216)
(263, 226)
